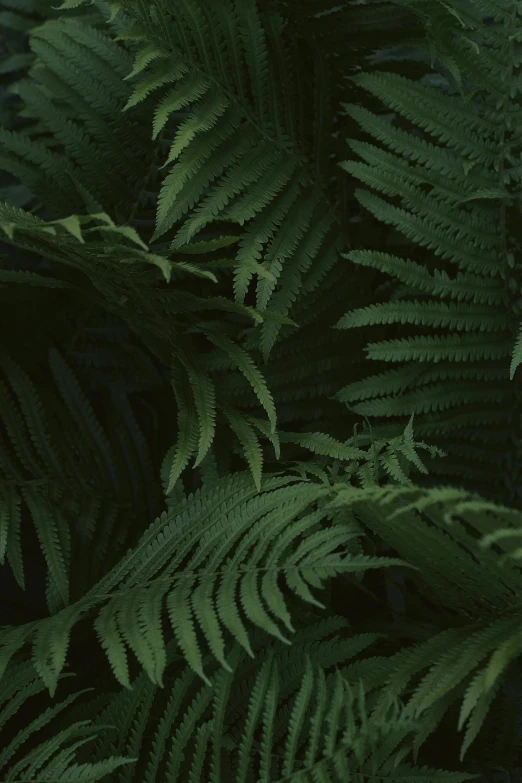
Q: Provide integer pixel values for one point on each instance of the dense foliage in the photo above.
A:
(260, 402)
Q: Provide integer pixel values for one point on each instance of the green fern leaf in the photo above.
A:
(247, 367)
(188, 427)
(205, 400)
(516, 356)
(249, 442)
(50, 646)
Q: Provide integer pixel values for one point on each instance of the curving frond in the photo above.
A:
(222, 541)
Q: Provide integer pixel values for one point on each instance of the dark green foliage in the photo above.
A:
(232, 549)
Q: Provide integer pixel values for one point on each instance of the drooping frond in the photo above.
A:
(67, 241)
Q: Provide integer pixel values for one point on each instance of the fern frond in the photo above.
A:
(122, 288)
(435, 314)
(443, 177)
(205, 742)
(239, 155)
(247, 367)
(180, 453)
(516, 356)
(249, 441)
(224, 515)
(435, 505)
